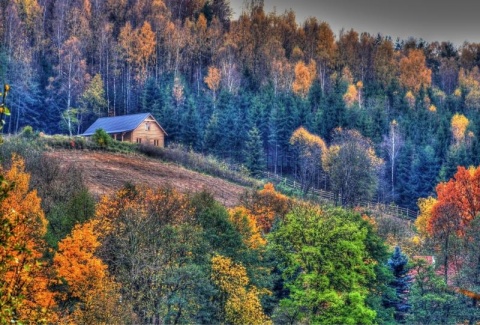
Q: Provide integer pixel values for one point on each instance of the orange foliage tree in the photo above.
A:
(24, 276)
(167, 203)
(384, 63)
(76, 263)
(304, 76)
(326, 50)
(456, 206)
(462, 194)
(149, 239)
(138, 48)
(87, 279)
(414, 73)
(213, 80)
(266, 205)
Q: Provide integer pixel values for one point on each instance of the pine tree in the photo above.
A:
(254, 154)
(191, 130)
(150, 97)
(402, 280)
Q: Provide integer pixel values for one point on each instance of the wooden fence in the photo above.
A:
(329, 197)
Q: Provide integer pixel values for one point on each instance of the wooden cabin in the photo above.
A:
(135, 128)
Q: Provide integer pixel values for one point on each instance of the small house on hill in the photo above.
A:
(135, 128)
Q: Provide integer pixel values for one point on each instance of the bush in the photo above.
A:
(102, 138)
(28, 133)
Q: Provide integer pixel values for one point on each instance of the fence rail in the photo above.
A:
(329, 197)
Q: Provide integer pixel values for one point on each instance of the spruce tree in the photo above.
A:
(254, 154)
(398, 264)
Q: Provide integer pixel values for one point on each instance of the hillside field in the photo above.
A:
(106, 172)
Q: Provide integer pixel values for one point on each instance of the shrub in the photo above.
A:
(27, 132)
(102, 139)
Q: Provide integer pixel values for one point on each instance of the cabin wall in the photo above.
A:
(153, 135)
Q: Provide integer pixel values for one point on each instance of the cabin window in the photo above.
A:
(139, 140)
(147, 126)
(155, 143)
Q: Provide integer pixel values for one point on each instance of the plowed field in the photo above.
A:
(106, 172)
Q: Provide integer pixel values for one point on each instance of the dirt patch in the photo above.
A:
(106, 172)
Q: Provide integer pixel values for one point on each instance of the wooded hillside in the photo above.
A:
(212, 81)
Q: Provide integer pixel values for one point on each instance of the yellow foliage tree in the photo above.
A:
(24, 277)
(304, 76)
(351, 96)
(241, 301)
(459, 125)
(469, 80)
(246, 224)
(309, 149)
(425, 205)
(410, 98)
(470, 83)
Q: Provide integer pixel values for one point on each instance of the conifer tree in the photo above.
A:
(398, 264)
(254, 155)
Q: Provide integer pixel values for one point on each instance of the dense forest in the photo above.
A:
(360, 115)
(158, 256)
(217, 84)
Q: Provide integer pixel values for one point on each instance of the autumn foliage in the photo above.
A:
(459, 126)
(246, 224)
(266, 205)
(304, 77)
(25, 277)
(241, 300)
(309, 150)
(87, 279)
(172, 205)
(414, 74)
(76, 263)
(458, 201)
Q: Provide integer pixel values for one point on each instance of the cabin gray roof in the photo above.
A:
(117, 124)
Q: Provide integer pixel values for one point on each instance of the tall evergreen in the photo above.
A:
(254, 154)
(398, 264)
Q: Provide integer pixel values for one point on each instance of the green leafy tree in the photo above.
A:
(92, 102)
(432, 302)
(352, 166)
(325, 267)
(160, 255)
(65, 215)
